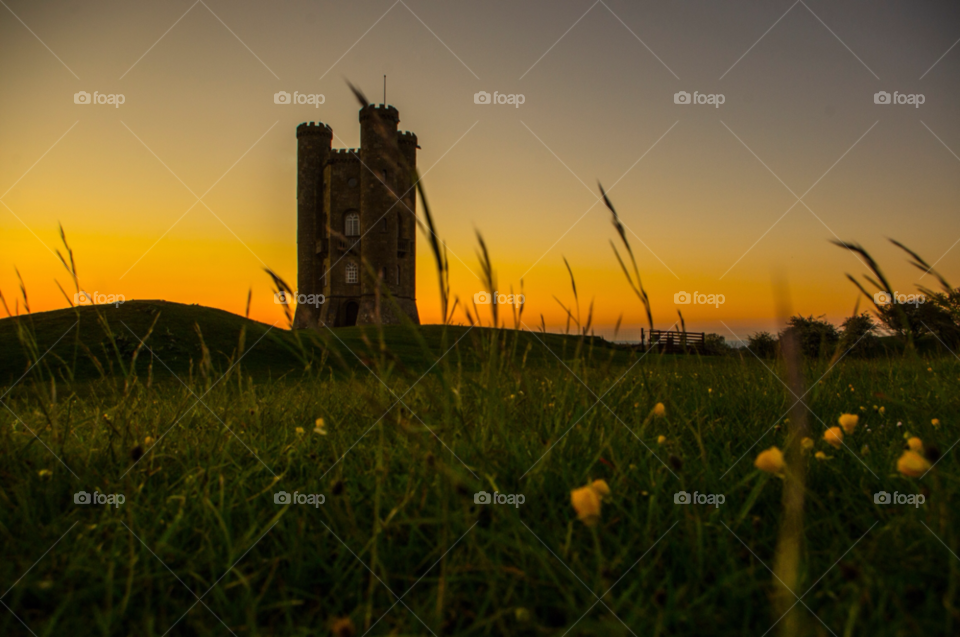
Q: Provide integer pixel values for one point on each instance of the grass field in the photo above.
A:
(414, 423)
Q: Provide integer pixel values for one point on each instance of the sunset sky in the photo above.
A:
(709, 194)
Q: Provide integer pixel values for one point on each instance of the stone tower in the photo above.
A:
(356, 223)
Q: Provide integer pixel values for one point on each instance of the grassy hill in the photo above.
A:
(95, 340)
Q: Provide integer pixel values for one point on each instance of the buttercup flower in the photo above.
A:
(659, 409)
(834, 436)
(661, 440)
(915, 444)
(45, 473)
(821, 456)
(601, 487)
(912, 464)
(770, 461)
(148, 441)
(586, 502)
(319, 429)
(849, 422)
(935, 422)
(806, 444)
(882, 410)
(299, 431)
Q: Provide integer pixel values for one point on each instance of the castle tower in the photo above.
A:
(313, 151)
(363, 223)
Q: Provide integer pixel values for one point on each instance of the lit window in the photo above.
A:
(352, 273)
(352, 225)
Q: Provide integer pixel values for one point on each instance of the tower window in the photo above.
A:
(351, 225)
(352, 273)
(383, 225)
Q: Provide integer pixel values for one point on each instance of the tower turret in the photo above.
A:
(314, 141)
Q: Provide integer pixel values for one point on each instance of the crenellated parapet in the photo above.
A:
(344, 155)
(314, 128)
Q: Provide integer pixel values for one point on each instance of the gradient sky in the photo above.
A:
(701, 189)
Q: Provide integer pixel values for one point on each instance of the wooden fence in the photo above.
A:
(672, 342)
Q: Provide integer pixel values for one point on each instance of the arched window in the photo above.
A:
(351, 225)
(352, 272)
(383, 225)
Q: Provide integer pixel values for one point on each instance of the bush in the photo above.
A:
(715, 345)
(763, 344)
(817, 336)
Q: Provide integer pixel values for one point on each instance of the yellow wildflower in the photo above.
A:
(882, 410)
(661, 440)
(586, 502)
(299, 431)
(319, 429)
(915, 444)
(148, 441)
(770, 461)
(45, 473)
(821, 456)
(659, 409)
(834, 436)
(935, 422)
(912, 464)
(601, 487)
(848, 422)
(806, 444)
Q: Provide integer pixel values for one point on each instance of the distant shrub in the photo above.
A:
(763, 344)
(817, 336)
(715, 345)
(859, 336)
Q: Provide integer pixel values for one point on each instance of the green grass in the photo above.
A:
(501, 411)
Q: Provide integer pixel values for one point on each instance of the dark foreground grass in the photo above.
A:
(199, 547)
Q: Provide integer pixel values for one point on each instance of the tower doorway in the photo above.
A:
(350, 314)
